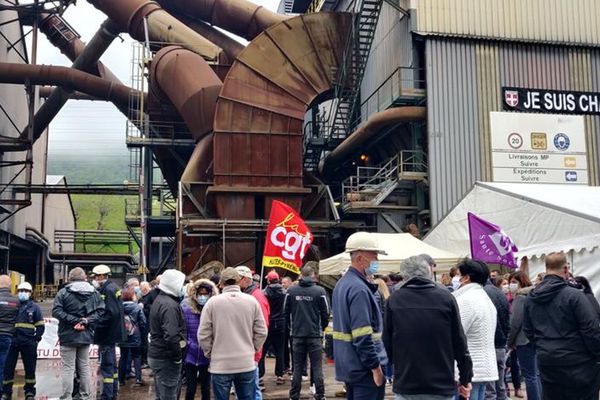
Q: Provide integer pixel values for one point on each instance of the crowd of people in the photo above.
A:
(462, 338)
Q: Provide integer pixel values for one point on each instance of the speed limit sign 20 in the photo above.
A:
(515, 140)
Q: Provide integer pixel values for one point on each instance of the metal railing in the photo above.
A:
(403, 82)
(99, 241)
(371, 181)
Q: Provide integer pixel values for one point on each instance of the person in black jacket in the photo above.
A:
(423, 336)
(564, 329)
(110, 331)
(275, 294)
(497, 389)
(167, 335)
(29, 330)
(9, 306)
(77, 307)
(307, 307)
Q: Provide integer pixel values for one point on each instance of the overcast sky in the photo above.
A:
(93, 128)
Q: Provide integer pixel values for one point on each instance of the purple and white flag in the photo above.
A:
(489, 243)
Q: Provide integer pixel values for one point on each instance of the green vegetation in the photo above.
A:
(82, 170)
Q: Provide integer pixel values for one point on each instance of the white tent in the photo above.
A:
(399, 246)
(539, 218)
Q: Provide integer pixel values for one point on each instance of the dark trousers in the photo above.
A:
(129, 354)
(301, 348)
(286, 350)
(167, 375)
(566, 382)
(144, 347)
(5, 341)
(108, 369)
(365, 390)
(195, 374)
(29, 355)
(276, 341)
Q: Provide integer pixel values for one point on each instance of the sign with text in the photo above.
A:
(538, 148)
(288, 239)
(550, 101)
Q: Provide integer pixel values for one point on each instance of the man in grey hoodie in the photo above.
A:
(77, 307)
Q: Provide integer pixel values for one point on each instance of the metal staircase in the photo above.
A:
(347, 86)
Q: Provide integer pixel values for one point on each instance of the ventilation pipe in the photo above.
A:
(162, 26)
(240, 17)
(230, 46)
(190, 84)
(367, 131)
(68, 77)
(87, 60)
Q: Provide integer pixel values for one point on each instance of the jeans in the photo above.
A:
(275, 338)
(515, 371)
(365, 390)
(243, 383)
(29, 356)
(421, 397)
(167, 374)
(497, 390)
(528, 362)
(193, 375)
(71, 355)
(257, 391)
(478, 391)
(129, 354)
(580, 381)
(311, 347)
(108, 370)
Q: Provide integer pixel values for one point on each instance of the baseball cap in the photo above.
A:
(272, 276)
(230, 274)
(244, 271)
(363, 241)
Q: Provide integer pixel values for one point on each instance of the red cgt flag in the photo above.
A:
(288, 239)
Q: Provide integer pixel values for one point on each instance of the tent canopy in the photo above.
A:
(399, 247)
(539, 218)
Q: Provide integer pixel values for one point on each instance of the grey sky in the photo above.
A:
(93, 128)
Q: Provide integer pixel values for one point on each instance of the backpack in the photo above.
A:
(130, 327)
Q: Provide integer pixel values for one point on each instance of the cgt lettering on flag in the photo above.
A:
(288, 239)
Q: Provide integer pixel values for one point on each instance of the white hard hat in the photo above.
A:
(25, 286)
(101, 270)
(363, 241)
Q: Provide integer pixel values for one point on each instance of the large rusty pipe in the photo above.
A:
(162, 26)
(367, 131)
(190, 84)
(86, 59)
(230, 46)
(46, 91)
(240, 17)
(67, 77)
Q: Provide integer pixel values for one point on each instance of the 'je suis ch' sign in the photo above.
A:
(550, 101)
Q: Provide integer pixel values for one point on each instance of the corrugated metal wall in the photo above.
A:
(464, 80)
(567, 21)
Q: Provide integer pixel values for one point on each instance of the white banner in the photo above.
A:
(49, 346)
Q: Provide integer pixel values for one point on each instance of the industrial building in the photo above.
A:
(365, 114)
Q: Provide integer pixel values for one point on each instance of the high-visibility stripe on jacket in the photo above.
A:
(29, 326)
(357, 327)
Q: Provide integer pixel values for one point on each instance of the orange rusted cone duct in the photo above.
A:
(190, 84)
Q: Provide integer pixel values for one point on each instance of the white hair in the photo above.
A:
(415, 267)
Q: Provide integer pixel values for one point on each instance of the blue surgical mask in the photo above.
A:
(182, 293)
(137, 291)
(456, 282)
(23, 296)
(202, 299)
(373, 267)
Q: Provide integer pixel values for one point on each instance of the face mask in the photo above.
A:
(96, 284)
(456, 282)
(505, 289)
(138, 291)
(513, 287)
(181, 293)
(23, 296)
(373, 268)
(202, 299)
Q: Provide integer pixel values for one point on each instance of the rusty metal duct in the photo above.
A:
(67, 77)
(162, 26)
(260, 112)
(86, 60)
(240, 17)
(367, 131)
(231, 47)
(189, 83)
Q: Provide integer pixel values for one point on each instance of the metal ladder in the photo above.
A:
(347, 85)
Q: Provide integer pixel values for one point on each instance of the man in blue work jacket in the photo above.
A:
(29, 329)
(357, 323)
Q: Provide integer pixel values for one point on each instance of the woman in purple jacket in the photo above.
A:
(196, 364)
